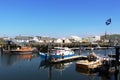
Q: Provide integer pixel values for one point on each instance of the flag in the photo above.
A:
(108, 21)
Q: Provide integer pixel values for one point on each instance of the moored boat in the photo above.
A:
(59, 52)
(21, 50)
(85, 64)
(62, 52)
(93, 62)
(25, 49)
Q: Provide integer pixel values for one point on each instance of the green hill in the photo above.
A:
(113, 36)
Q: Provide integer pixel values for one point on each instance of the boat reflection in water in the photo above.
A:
(91, 75)
(85, 71)
(44, 64)
(62, 66)
(9, 59)
(58, 67)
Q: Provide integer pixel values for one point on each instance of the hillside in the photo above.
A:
(113, 36)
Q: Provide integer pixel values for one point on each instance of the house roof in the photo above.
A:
(23, 37)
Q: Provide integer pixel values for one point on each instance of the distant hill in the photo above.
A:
(113, 36)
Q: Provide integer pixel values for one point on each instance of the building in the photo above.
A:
(93, 39)
(75, 39)
(97, 38)
(63, 41)
(23, 39)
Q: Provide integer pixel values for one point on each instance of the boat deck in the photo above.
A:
(68, 59)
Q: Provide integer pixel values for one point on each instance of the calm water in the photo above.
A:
(33, 67)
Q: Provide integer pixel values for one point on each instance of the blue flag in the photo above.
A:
(108, 21)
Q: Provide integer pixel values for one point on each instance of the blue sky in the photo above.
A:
(58, 18)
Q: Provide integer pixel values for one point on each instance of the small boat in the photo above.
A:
(93, 61)
(85, 64)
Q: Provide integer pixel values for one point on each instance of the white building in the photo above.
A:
(21, 39)
(93, 38)
(63, 41)
(66, 41)
(35, 39)
(59, 41)
(75, 39)
(6, 38)
(97, 38)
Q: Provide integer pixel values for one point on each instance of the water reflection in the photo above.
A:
(85, 71)
(54, 70)
(44, 64)
(62, 66)
(90, 74)
(9, 59)
(101, 74)
(58, 66)
(111, 73)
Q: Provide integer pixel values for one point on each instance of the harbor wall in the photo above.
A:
(44, 47)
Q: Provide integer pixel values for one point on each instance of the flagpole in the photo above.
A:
(108, 22)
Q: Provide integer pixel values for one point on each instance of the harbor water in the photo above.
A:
(34, 67)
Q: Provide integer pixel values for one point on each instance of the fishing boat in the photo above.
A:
(60, 52)
(25, 49)
(20, 50)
